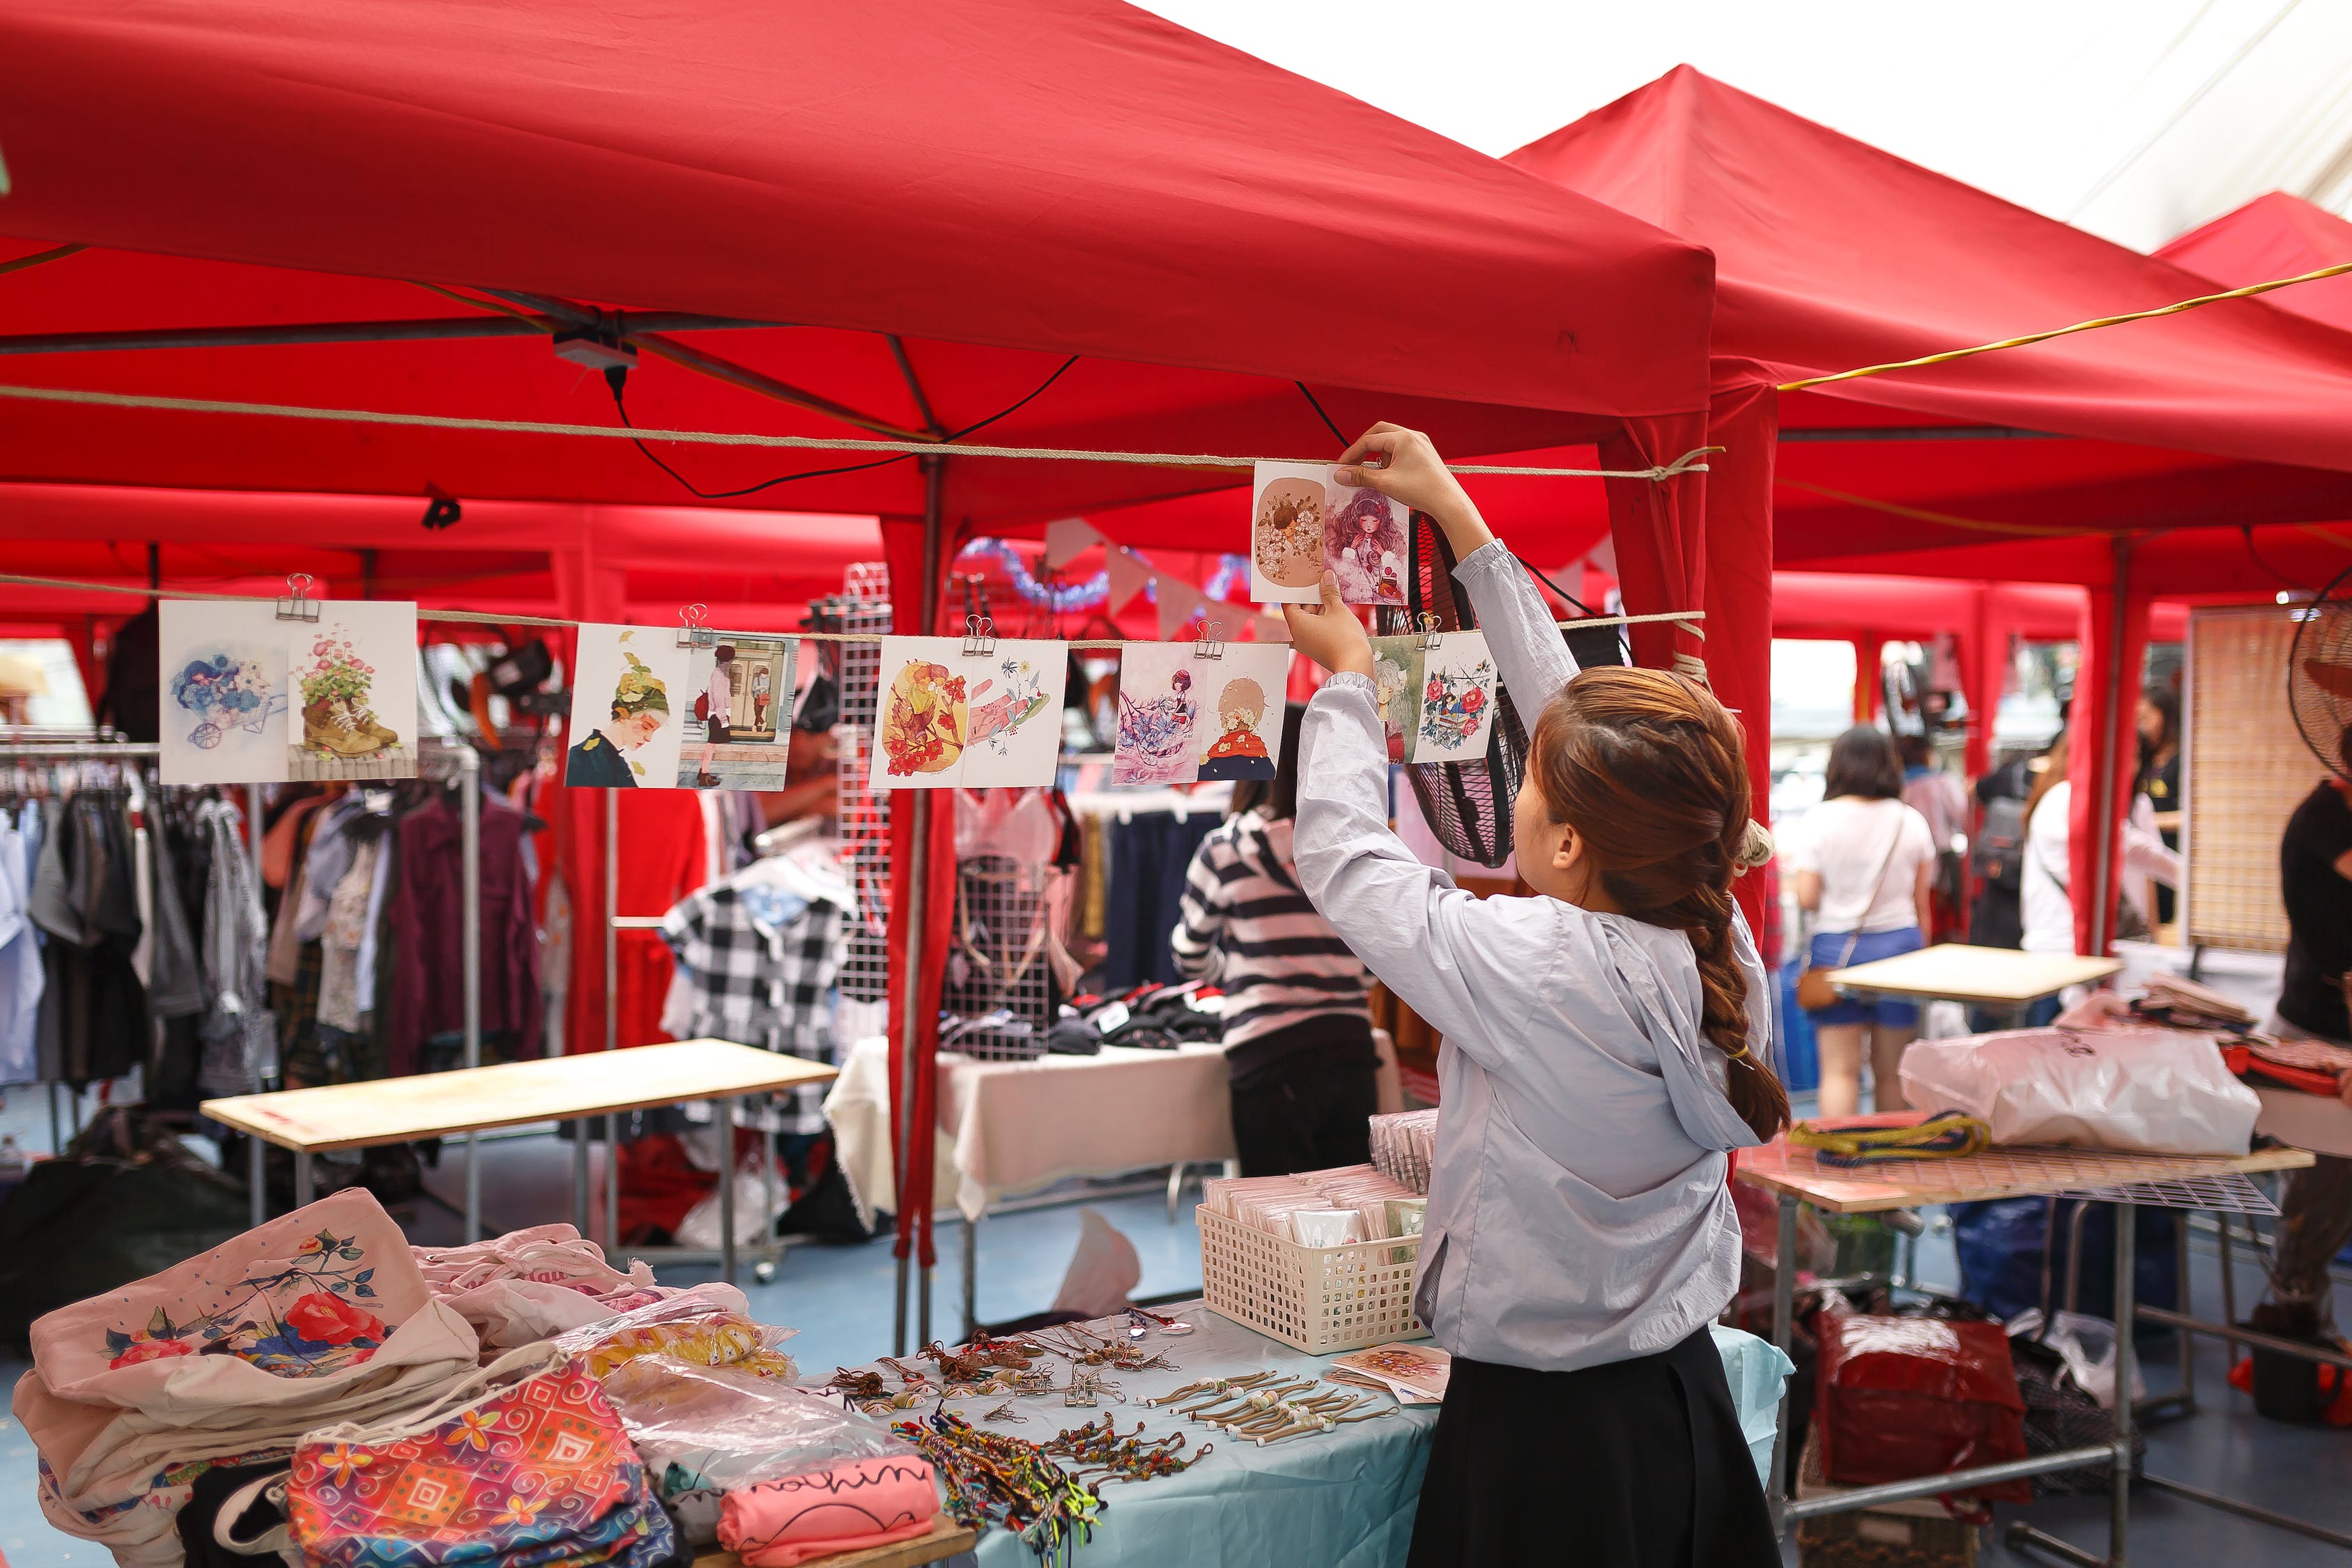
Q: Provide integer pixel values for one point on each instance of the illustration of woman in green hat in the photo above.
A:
(640, 708)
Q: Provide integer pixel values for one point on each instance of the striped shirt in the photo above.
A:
(1248, 925)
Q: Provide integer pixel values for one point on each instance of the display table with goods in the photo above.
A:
(1010, 1128)
(1908, 1160)
(1998, 979)
(510, 1094)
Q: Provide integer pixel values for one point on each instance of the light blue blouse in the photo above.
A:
(1578, 1211)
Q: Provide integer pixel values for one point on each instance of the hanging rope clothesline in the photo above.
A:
(1689, 462)
(1948, 355)
(1691, 621)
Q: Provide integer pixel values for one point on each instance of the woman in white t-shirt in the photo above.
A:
(1864, 862)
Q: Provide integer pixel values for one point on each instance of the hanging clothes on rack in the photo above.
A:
(94, 1017)
(21, 979)
(427, 933)
(239, 1034)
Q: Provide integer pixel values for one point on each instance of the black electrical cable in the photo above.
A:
(2247, 530)
(1552, 586)
(615, 376)
(1336, 434)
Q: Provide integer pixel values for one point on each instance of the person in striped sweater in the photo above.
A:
(1299, 1036)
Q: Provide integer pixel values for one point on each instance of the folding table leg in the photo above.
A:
(1784, 1327)
(303, 1193)
(2022, 1535)
(970, 1280)
(2229, 1285)
(580, 1177)
(2182, 1337)
(722, 1113)
(255, 1178)
(1175, 1188)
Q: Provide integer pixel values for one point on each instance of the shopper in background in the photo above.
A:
(1605, 1045)
(1866, 864)
(2316, 880)
(2149, 866)
(1942, 799)
(2159, 775)
(1299, 1035)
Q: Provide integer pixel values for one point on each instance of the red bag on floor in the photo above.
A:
(1905, 1397)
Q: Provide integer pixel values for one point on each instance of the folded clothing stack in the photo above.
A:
(531, 1285)
(1404, 1146)
(228, 1359)
(1319, 1208)
(775, 1474)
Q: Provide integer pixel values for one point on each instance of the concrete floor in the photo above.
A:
(840, 1300)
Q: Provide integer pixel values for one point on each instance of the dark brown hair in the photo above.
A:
(1652, 771)
(1862, 762)
(2053, 775)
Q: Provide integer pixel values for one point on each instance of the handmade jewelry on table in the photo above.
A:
(1211, 1386)
(1257, 1400)
(1007, 1414)
(1086, 1387)
(856, 1385)
(1167, 1326)
(991, 1477)
(1326, 1424)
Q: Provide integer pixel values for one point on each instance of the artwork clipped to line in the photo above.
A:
(1437, 705)
(631, 702)
(353, 713)
(1304, 523)
(224, 692)
(980, 719)
(741, 689)
(1183, 717)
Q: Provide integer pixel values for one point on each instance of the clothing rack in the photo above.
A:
(457, 762)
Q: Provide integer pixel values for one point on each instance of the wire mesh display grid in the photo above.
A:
(2160, 1181)
(863, 817)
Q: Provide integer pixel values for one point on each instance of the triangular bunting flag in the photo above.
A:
(1127, 572)
(1067, 539)
(1179, 604)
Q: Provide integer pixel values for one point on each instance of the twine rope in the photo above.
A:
(1689, 462)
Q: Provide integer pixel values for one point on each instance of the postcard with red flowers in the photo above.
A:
(1458, 699)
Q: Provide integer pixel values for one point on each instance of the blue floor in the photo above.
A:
(840, 1298)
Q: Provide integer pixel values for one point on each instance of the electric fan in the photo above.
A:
(2319, 674)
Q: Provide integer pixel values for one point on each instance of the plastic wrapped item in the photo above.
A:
(533, 1284)
(709, 1325)
(707, 1430)
(2087, 1346)
(2156, 1091)
(1901, 1398)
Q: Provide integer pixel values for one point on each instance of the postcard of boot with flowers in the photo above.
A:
(352, 713)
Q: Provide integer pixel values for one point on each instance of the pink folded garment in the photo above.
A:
(846, 1508)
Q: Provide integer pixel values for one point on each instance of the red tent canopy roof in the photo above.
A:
(1003, 184)
(2276, 236)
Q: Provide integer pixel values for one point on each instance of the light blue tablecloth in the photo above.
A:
(1345, 1498)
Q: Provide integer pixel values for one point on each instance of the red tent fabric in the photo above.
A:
(2276, 236)
(1068, 217)
(1832, 255)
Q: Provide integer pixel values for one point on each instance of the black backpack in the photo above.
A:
(1997, 867)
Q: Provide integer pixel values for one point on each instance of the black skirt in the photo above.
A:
(1638, 1464)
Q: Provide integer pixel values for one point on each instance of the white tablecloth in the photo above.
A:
(1008, 1127)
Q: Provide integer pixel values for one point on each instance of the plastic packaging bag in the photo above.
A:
(2156, 1091)
(709, 1325)
(705, 1430)
(2087, 1346)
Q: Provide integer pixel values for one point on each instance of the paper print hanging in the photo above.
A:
(1396, 680)
(223, 679)
(1158, 715)
(1241, 717)
(741, 688)
(1458, 699)
(354, 692)
(1304, 523)
(631, 699)
(980, 719)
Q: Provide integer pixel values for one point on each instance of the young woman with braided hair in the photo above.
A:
(1605, 1048)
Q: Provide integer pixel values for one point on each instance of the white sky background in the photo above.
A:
(2135, 118)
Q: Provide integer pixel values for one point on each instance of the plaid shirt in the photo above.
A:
(763, 982)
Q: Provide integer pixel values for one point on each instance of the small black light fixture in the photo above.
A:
(442, 512)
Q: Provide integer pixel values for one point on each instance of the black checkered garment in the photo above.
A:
(760, 985)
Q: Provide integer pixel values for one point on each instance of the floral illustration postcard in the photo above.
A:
(1241, 699)
(922, 715)
(1458, 699)
(353, 708)
(631, 703)
(1304, 523)
(1416, 1374)
(1159, 703)
(224, 692)
(1396, 678)
(1012, 728)
(739, 689)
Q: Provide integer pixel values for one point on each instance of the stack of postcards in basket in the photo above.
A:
(1404, 1144)
(1319, 1208)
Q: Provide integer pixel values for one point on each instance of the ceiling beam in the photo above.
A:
(431, 330)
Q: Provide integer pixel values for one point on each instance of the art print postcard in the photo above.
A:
(1416, 1374)
(353, 698)
(1458, 699)
(1397, 680)
(632, 701)
(1158, 715)
(1241, 699)
(980, 720)
(739, 689)
(224, 692)
(1304, 523)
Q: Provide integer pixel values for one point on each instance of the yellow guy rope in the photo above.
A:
(2248, 292)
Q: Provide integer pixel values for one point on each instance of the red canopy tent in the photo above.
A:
(1066, 219)
(2276, 236)
(2059, 462)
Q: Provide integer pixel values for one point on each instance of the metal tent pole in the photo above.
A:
(2110, 763)
(612, 1011)
(917, 873)
(469, 839)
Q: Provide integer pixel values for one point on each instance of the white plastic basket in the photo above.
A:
(1320, 1299)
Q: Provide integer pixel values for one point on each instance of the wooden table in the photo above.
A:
(1795, 1176)
(1998, 978)
(512, 1094)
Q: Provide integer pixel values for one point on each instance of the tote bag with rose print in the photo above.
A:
(230, 1357)
(523, 1465)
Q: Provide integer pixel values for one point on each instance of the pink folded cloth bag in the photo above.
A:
(849, 1507)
